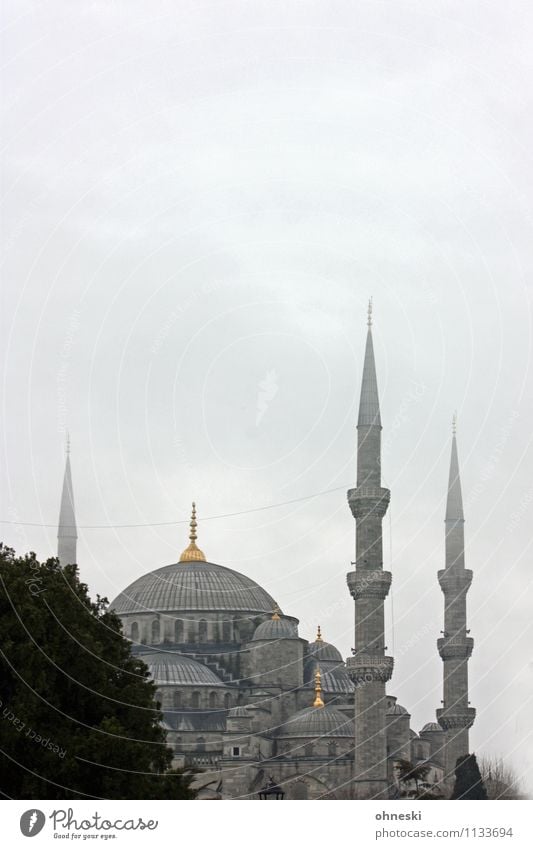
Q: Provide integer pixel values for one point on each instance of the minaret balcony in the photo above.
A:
(455, 647)
(456, 718)
(367, 501)
(369, 583)
(455, 582)
(364, 668)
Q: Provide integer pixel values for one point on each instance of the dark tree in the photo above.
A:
(77, 712)
(468, 781)
(409, 773)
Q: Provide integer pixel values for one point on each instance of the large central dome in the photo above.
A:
(193, 586)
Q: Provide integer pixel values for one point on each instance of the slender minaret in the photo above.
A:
(369, 668)
(67, 533)
(455, 647)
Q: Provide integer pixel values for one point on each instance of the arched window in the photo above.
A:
(155, 631)
(227, 700)
(178, 631)
(226, 631)
(177, 744)
(195, 700)
(135, 632)
(213, 700)
(332, 750)
(177, 699)
(200, 744)
(202, 631)
(308, 750)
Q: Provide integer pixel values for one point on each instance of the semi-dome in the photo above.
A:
(193, 586)
(276, 629)
(317, 722)
(170, 668)
(337, 682)
(431, 726)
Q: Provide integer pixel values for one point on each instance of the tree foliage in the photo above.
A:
(468, 781)
(500, 780)
(410, 774)
(77, 715)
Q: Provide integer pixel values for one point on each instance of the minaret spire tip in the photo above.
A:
(67, 444)
(319, 635)
(454, 424)
(369, 319)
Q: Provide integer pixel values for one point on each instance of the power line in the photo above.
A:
(182, 521)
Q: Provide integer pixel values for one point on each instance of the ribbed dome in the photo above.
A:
(431, 726)
(335, 678)
(169, 668)
(337, 682)
(397, 710)
(318, 722)
(324, 652)
(276, 629)
(194, 586)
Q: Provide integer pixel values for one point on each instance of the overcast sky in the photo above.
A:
(199, 199)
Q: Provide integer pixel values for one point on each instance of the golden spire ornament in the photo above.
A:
(318, 703)
(192, 552)
(276, 613)
(319, 635)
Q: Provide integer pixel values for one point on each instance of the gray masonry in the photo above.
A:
(369, 667)
(455, 646)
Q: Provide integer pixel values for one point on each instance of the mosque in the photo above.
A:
(262, 711)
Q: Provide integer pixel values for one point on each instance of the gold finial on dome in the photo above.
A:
(276, 613)
(319, 635)
(318, 703)
(192, 552)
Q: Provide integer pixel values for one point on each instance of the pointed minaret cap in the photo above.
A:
(454, 502)
(319, 635)
(67, 517)
(192, 552)
(276, 613)
(369, 402)
(318, 702)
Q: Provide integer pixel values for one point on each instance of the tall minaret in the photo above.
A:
(67, 533)
(455, 647)
(369, 668)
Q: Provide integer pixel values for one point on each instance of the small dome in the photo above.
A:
(431, 726)
(276, 629)
(238, 711)
(170, 668)
(397, 710)
(317, 722)
(324, 652)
